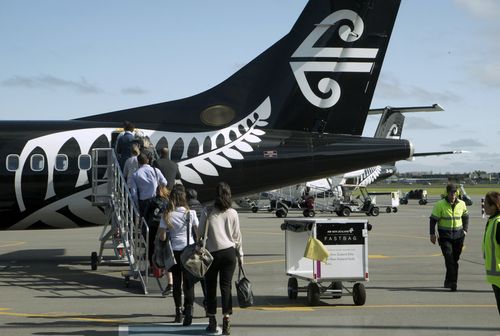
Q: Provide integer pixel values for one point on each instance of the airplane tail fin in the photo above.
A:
(319, 77)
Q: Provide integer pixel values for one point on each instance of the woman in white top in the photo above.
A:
(182, 226)
(223, 240)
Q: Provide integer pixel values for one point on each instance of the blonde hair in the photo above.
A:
(177, 198)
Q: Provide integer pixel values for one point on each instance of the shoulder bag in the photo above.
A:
(243, 288)
(196, 259)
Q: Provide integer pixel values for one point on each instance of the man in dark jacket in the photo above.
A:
(168, 168)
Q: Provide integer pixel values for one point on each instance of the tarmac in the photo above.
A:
(48, 288)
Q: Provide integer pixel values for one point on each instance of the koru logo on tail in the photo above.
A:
(328, 86)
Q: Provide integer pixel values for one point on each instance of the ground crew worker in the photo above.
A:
(491, 243)
(452, 218)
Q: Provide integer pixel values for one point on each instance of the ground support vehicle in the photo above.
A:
(344, 206)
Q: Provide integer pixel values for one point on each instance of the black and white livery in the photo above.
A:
(294, 113)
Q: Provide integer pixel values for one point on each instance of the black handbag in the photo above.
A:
(243, 288)
(196, 259)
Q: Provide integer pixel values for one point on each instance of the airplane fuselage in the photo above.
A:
(51, 188)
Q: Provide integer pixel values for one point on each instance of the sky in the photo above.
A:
(67, 59)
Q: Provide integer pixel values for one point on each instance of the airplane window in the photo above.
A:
(37, 162)
(61, 162)
(84, 162)
(12, 162)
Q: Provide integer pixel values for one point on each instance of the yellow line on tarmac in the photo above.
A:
(389, 306)
(381, 256)
(13, 243)
(73, 317)
(371, 256)
(397, 235)
(264, 262)
(263, 232)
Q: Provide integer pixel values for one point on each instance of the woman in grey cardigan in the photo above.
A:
(224, 243)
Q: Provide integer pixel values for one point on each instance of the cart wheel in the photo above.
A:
(93, 261)
(313, 294)
(394, 209)
(293, 288)
(281, 213)
(359, 294)
(375, 211)
(255, 209)
(127, 281)
(346, 212)
(336, 285)
(388, 209)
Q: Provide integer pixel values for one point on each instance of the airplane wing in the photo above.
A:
(432, 108)
(439, 153)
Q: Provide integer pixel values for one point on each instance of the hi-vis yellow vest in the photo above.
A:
(448, 218)
(491, 252)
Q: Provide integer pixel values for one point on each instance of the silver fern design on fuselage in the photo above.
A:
(369, 175)
(238, 138)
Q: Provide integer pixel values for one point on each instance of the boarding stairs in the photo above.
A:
(125, 232)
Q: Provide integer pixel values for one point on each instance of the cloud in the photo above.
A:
(464, 143)
(484, 9)
(416, 123)
(389, 87)
(51, 82)
(486, 74)
(133, 91)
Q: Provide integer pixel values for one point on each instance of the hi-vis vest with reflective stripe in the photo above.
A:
(448, 218)
(491, 252)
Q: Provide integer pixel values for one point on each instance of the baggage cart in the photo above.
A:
(347, 243)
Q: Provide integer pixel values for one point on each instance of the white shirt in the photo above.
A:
(178, 234)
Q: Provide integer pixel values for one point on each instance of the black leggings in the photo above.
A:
(497, 296)
(181, 278)
(223, 265)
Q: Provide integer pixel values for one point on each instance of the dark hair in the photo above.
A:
(451, 188)
(223, 199)
(142, 159)
(493, 198)
(128, 126)
(191, 194)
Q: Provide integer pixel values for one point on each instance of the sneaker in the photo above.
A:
(212, 325)
(226, 326)
(167, 291)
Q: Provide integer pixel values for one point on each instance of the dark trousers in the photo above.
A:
(182, 283)
(451, 248)
(223, 266)
(144, 206)
(497, 296)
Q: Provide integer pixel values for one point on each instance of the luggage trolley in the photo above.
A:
(347, 243)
